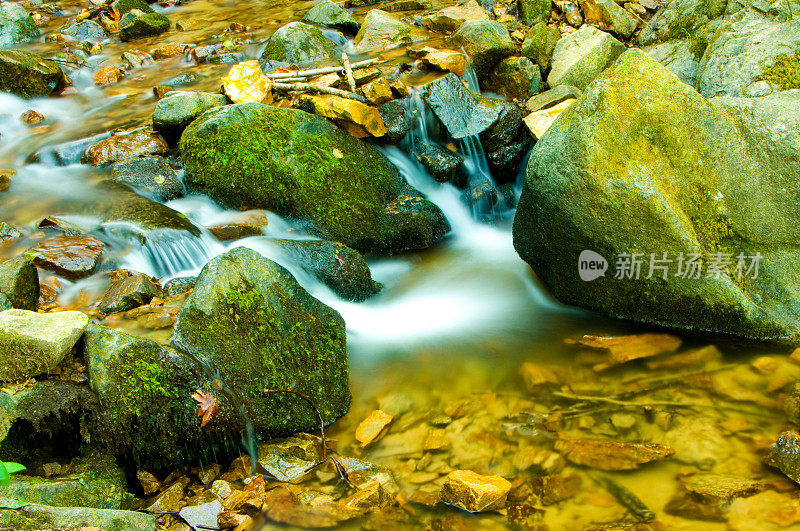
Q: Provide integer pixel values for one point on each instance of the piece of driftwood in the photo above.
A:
(351, 80)
(307, 87)
(320, 71)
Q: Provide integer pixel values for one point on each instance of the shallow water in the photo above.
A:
(453, 324)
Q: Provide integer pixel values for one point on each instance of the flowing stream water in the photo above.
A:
(453, 322)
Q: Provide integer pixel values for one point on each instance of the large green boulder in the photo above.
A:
(19, 282)
(16, 24)
(300, 44)
(146, 25)
(643, 164)
(487, 42)
(251, 155)
(177, 109)
(250, 321)
(328, 14)
(28, 75)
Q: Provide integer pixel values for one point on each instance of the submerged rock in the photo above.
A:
(487, 42)
(19, 282)
(150, 176)
(611, 455)
(16, 25)
(177, 109)
(785, 455)
(442, 164)
(591, 184)
(250, 320)
(86, 30)
(299, 44)
(34, 343)
(290, 459)
(125, 145)
(580, 57)
(340, 268)
(28, 75)
(473, 492)
(252, 155)
(328, 14)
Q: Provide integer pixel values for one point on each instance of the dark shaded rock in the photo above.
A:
(504, 162)
(16, 25)
(127, 293)
(397, 119)
(462, 112)
(150, 176)
(28, 75)
(330, 15)
(177, 109)
(86, 30)
(147, 25)
(73, 257)
(441, 163)
(250, 319)
(487, 42)
(252, 155)
(299, 44)
(339, 267)
(552, 97)
(505, 129)
(19, 282)
(179, 285)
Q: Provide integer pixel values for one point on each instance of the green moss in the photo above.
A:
(784, 72)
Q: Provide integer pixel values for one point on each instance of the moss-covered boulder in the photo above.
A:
(16, 25)
(384, 31)
(147, 412)
(37, 516)
(643, 164)
(19, 282)
(339, 267)
(330, 15)
(250, 321)
(28, 75)
(141, 26)
(539, 43)
(177, 109)
(581, 56)
(487, 42)
(300, 44)
(251, 155)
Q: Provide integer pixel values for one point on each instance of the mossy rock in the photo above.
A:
(642, 163)
(177, 109)
(300, 44)
(330, 15)
(252, 323)
(487, 42)
(147, 25)
(16, 25)
(251, 155)
(19, 282)
(28, 75)
(46, 517)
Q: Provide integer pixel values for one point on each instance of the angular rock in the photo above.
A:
(462, 112)
(377, 91)
(534, 11)
(473, 492)
(611, 455)
(330, 15)
(610, 16)
(246, 82)
(128, 293)
(34, 343)
(708, 496)
(240, 225)
(679, 19)
(552, 97)
(372, 427)
(396, 119)
(442, 164)
(445, 61)
(86, 30)
(556, 488)
(784, 455)
(299, 44)
(450, 18)
(383, 31)
(252, 155)
(175, 111)
(251, 320)
(16, 25)
(679, 57)
(516, 78)
(179, 285)
(203, 516)
(539, 44)
(486, 42)
(77, 490)
(45, 517)
(27, 74)
(580, 57)
(706, 207)
(290, 459)
(125, 145)
(146, 25)
(358, 118)
(340, 268)
(72, 257)
(19, 282)
(150, 176)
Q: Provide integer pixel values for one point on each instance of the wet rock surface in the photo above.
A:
(73, 257)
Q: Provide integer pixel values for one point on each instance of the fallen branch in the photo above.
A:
(320, 71)
(351, 80)
(307, 87)
(623, 403)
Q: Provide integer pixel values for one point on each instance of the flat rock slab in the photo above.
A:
(32, 343)
(73, 257)
(46, 517)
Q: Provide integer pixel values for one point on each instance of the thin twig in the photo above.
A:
(351, 80)
(306, 87)
(320, 71)
(314, 407)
